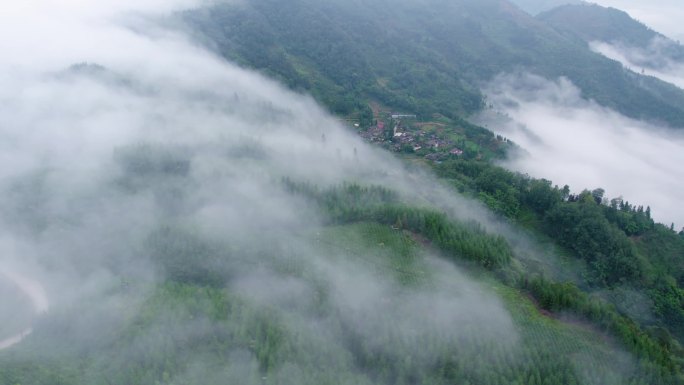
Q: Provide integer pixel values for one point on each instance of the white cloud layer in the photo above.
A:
(579, 143)
(650, 61)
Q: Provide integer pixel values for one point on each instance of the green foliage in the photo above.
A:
(621, 243)
(566, 296)
(191, 330)
(184, 257)
(378, 246)
(192, 335)
(592, 22)
(668, 298)
(582, 228)
(353, 203)
(577, 223)
(424, 58)
(334, 53)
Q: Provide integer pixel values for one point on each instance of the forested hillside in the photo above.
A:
(612, 247)
(418, 57)
(620, 247)
(198, 224)
(594, 22)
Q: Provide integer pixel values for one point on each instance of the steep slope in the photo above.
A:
(594, 22)
(340, 52)
(423, 56)
(220, 240)
(616, 35)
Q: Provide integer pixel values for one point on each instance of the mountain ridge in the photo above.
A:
(425, 56)
(592, 22)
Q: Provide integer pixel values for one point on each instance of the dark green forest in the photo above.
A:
(619, 242)
(424, 58)
(592, 22)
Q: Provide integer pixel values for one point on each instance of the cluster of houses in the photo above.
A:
(400, 139)
(375, 133)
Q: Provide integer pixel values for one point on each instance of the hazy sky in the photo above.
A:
(664, 16)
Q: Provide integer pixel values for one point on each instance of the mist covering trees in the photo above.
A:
(620, 243)
(191, 329)
(222, 241)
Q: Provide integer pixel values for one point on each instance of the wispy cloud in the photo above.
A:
(577, 142)
(663, 16)
(651, 61)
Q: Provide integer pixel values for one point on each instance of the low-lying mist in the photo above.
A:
(128, 151)
(664, 15)
(651, 61)
(573, 141)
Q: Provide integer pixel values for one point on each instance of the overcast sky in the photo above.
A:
(664, 16)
